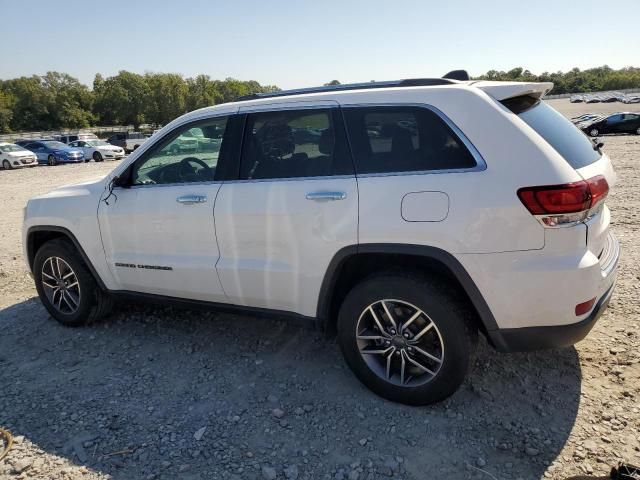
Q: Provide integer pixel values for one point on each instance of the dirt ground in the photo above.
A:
(161, 393)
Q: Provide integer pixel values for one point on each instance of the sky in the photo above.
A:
(302, 43)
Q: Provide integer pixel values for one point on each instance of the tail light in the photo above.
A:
(564, 205)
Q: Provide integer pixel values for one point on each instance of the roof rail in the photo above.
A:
(410, 82)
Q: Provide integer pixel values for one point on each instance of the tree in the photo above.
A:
(167, 97)
(122, 99)
(6, 111)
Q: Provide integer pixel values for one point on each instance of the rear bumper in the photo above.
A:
(549, 286)
(538, 338)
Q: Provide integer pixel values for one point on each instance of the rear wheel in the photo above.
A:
(52, 161)
(6, 165)
(406, 338)
(97, 157)
(66, 287)
(594, 132)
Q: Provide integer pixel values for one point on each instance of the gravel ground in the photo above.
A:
(164, 393)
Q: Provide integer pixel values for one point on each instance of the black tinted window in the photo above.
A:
(404, 139)
(298, 143)
(561, 134)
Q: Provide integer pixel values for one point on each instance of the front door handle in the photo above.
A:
(326, 196)
(191, 199)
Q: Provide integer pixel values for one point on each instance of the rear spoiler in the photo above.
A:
(505, 90)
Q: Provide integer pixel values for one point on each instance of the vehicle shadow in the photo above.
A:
(126, 396)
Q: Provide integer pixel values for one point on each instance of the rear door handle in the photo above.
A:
(326, 196)
(191, 199)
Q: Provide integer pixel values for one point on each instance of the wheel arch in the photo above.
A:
(40, 234)
(354, 263)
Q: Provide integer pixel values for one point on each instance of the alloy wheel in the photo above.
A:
(6, 165)
(61, 285)
(400, 343)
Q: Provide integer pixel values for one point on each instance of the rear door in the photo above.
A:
(40, 151)
(293, 206)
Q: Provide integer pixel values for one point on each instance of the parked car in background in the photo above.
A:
(51, 152)
(26, 141)
(72, 137)
(98, 150)
(15, 156)
(623, 122)
(128, 141)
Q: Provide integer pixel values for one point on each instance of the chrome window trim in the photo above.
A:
(289, 179)
(177, 184)
(288, 106)
(481, 165)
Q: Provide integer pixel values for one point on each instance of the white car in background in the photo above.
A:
(98, 150)
(15, 156)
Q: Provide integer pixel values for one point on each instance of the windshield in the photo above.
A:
(54, 145)
(569, 141)
(12, 148)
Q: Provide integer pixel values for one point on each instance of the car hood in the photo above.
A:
(25, 153)
(89, 187)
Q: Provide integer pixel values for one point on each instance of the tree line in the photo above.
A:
(59, 101)
(574, 81)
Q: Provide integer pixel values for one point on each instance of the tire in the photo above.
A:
(638, 131)
(97, 157)
(451, 328)
(593, 132)
(91, 302)
(6, 165)
(51, 160)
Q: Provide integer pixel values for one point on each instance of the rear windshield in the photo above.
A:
(558, 131)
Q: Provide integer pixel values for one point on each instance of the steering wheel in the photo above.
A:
(185, 169)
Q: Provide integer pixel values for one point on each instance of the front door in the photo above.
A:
(293, 207)
(158, 233)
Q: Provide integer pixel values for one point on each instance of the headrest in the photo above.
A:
(327, 142)
(276, 140)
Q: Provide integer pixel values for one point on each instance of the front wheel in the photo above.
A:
(97, 157)
(52, 161)
(66, 287)
(594, 132)
(6, 165)
(406, 338)
(638, 131)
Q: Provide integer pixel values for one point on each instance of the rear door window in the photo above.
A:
(294, 144)
(404, 139)
(567, 139)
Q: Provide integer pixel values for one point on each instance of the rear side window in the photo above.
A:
(403, 139)
(560, 133)
(290, 144)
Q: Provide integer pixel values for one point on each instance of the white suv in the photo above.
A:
(404, 216)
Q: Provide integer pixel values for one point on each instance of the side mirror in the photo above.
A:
(124, 179)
